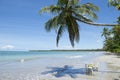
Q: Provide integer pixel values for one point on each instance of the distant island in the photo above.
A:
(68, 50)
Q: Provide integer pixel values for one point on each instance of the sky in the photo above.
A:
(22, 27)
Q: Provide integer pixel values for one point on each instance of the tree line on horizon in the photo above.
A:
(69, 12)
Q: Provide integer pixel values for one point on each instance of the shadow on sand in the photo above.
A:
(63, 71)
(70, 71)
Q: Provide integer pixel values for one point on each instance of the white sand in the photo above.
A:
(110, 59)
(109, 69)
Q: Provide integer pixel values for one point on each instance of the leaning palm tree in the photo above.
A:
(67, 13)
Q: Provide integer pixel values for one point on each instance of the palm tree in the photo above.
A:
(105, 33)
(116, 32)
(112, 43)
(67, 13)
(115, 3)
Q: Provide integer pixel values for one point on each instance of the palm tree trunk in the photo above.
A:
(97, 24)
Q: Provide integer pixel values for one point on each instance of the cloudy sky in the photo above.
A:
(22, 27)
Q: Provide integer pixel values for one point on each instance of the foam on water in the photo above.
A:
(22, 60)
(75, 57)
(29, 65)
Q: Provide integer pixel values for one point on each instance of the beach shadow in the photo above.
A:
(63, 71)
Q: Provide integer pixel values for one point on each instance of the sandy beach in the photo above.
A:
(64, 67)
(112, 70)
(109, 69)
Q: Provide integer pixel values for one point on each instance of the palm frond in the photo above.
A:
(87, 9)
(52, 8)
(76, 27)
(55, 22)
(91, 14)
(71, 35)
(91, 6)
(77, 15)
(62, 3)
(52, 23)
(59, 34)
(73, 2)
(70, 31)
(113, 2)
(73, 30)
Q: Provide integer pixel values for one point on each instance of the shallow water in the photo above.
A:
(20, 65)
(18, 55)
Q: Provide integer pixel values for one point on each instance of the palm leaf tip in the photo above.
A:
(44, 9)
(71, 35)
(59, 34)
(92, 7)
(52, 8)
(73, 2)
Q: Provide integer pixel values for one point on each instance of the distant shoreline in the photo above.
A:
(68, 50)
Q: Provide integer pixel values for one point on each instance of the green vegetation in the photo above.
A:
(112, 36)
(67, 13)
(112, 39)
(115, 3)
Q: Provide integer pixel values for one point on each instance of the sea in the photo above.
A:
(15, 56)
(26, 65)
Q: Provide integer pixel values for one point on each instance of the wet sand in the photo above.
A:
(109, 69)
(54, 69)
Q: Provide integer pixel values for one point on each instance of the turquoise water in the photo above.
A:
(25, 65)
(18, 55)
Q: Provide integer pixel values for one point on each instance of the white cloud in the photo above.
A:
(7, 47)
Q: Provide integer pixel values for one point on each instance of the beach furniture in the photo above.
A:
(90, 68)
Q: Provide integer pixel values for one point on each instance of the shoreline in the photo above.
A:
(110, 59)
(66, 50)
(109, 69)
(47, 68)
